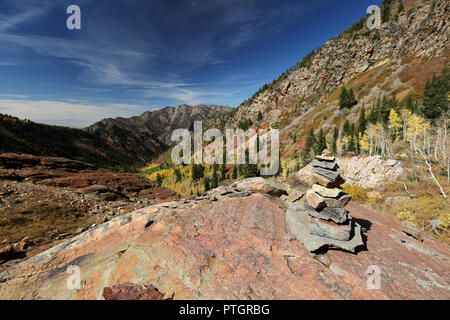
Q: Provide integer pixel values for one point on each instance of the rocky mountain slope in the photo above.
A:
(23, 136)
(151, 131)
(395, 60)
(111, 143)
(233, 243)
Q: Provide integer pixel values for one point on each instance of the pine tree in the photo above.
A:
(248, 170)
(206, 183)
(223, 171)
(177, 175)
(335, 138)
(410, 105)
(351, 147)
(198, 172)
(346, 128)
(362, 123)
(351, 99)
(159, 179)
(401, 7)
(321, 143)
(310, 140)
(260, 116)
(372, 118)
(386, 10)
(343, 98)
(234, 174)
(358, 145)
(384, 110)
(435, 98)
(214, 180)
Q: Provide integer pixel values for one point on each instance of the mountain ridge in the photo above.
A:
(110, 143)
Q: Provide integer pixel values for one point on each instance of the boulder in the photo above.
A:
(260, 185)
(318, 202)
(315, 200)
(340, 202)
(329, 230)
(308, 177)
(325, 164)
(369, 172)
(339, 216)
(298, 220)
(295, 196)
(327, 192)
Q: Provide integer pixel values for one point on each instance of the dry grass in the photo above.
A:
(37, 220)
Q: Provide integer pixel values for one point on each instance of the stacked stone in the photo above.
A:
(325, 202)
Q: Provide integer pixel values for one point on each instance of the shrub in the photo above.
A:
(421, 210)
(358, 193)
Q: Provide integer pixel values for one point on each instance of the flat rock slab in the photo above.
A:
(332, 175)
(260, 185)
(327, 192)
(298, 220)
(338, 203)
(315, 200)
(318, 202)
(339, 216)
(295, 196)
(325, 164)
(330, 230)
(309, 177)
(326, 158)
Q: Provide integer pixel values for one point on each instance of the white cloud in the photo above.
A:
(65, 113)
(24, 12)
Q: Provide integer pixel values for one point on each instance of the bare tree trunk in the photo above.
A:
(432, 174)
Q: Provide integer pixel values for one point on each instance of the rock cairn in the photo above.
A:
(321, 222)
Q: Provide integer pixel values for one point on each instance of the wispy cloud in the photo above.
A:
(153, 49)
(23, 12)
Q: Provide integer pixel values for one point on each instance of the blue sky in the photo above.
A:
(132, 56)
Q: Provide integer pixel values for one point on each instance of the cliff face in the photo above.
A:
(230, 244)
(399, 58)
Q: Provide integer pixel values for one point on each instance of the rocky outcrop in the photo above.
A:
(153, 129)
(229, 244)
(369, 172)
